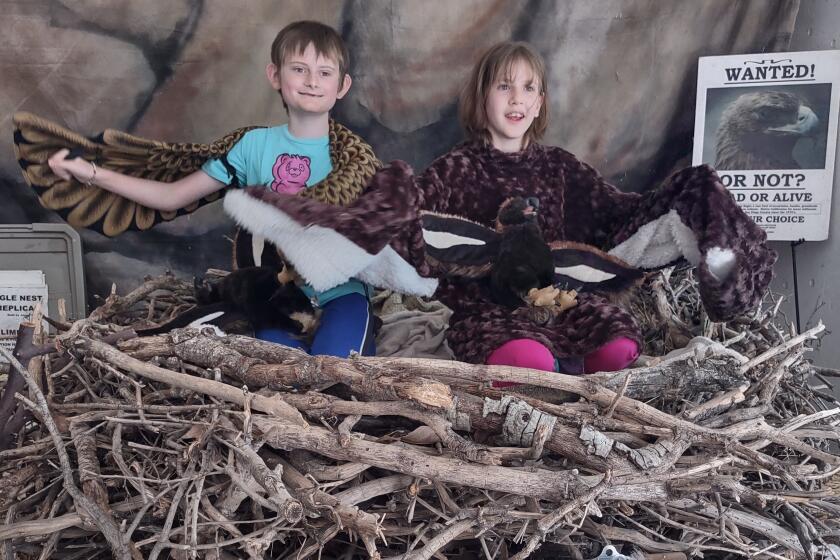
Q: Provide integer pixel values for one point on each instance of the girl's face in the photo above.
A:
(512, 104)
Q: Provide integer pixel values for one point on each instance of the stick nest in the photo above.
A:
(720, 444)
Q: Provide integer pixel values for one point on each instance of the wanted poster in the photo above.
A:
(768, 124)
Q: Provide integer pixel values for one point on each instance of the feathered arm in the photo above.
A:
(432, 194)
(88, 206)
(693, 216)
(591, 209)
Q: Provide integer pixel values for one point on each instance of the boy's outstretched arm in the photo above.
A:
(161, 196)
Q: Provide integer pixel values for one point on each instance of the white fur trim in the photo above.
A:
(685, 239)
(445, 240)
(659, 243)
(322, 256)
(584, 273)
(389, 270)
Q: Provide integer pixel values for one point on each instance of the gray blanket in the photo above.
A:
(411, 327)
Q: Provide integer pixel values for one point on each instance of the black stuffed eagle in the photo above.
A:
(524, 260)
(515, 256)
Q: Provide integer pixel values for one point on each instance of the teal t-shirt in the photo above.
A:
(276, 159)
(284, 163)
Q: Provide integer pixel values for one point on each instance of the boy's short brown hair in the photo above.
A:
(295, 37)
(498, 61)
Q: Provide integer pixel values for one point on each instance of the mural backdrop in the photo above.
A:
(621, 87)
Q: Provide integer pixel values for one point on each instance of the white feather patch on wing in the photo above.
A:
(200, 323)
(445, 239)
(209, 317)
(322, 256)
(584, 273)
(659, 243)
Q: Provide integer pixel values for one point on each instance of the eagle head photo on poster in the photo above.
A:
(768, 124)
(770, 128)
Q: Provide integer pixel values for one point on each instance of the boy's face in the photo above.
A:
(309, 82)
(513, 103)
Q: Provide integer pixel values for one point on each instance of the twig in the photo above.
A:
(614, 403)
(103, 521)
(289, 508)
(776, 350)
(548, 523)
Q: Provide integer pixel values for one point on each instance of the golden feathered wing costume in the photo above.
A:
(88, 206)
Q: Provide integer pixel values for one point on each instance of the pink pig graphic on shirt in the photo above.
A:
(290, 173)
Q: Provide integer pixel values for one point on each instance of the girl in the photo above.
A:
(504, 112)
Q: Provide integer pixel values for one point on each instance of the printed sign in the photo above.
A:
(20, 292)
(768, 124)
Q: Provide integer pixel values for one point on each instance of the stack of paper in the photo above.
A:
(20, 292)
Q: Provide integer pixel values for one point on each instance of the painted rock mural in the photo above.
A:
(621, 85)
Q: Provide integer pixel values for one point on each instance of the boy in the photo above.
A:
(309, 69)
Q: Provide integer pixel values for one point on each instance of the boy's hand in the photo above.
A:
(82, 170)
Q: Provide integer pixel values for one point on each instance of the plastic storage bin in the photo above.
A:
(54, 249)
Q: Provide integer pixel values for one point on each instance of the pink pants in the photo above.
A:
(523, 352)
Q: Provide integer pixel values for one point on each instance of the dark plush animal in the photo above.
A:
(524, 260)
(515, 256)
(257, 295)
(264, 296)
(759, 131)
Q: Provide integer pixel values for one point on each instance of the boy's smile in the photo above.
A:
(512, 104)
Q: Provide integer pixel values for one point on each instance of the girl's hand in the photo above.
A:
(82, 170)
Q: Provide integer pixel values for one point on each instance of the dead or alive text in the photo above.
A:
(774, 197)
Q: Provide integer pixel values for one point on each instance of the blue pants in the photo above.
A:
(346, 326)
